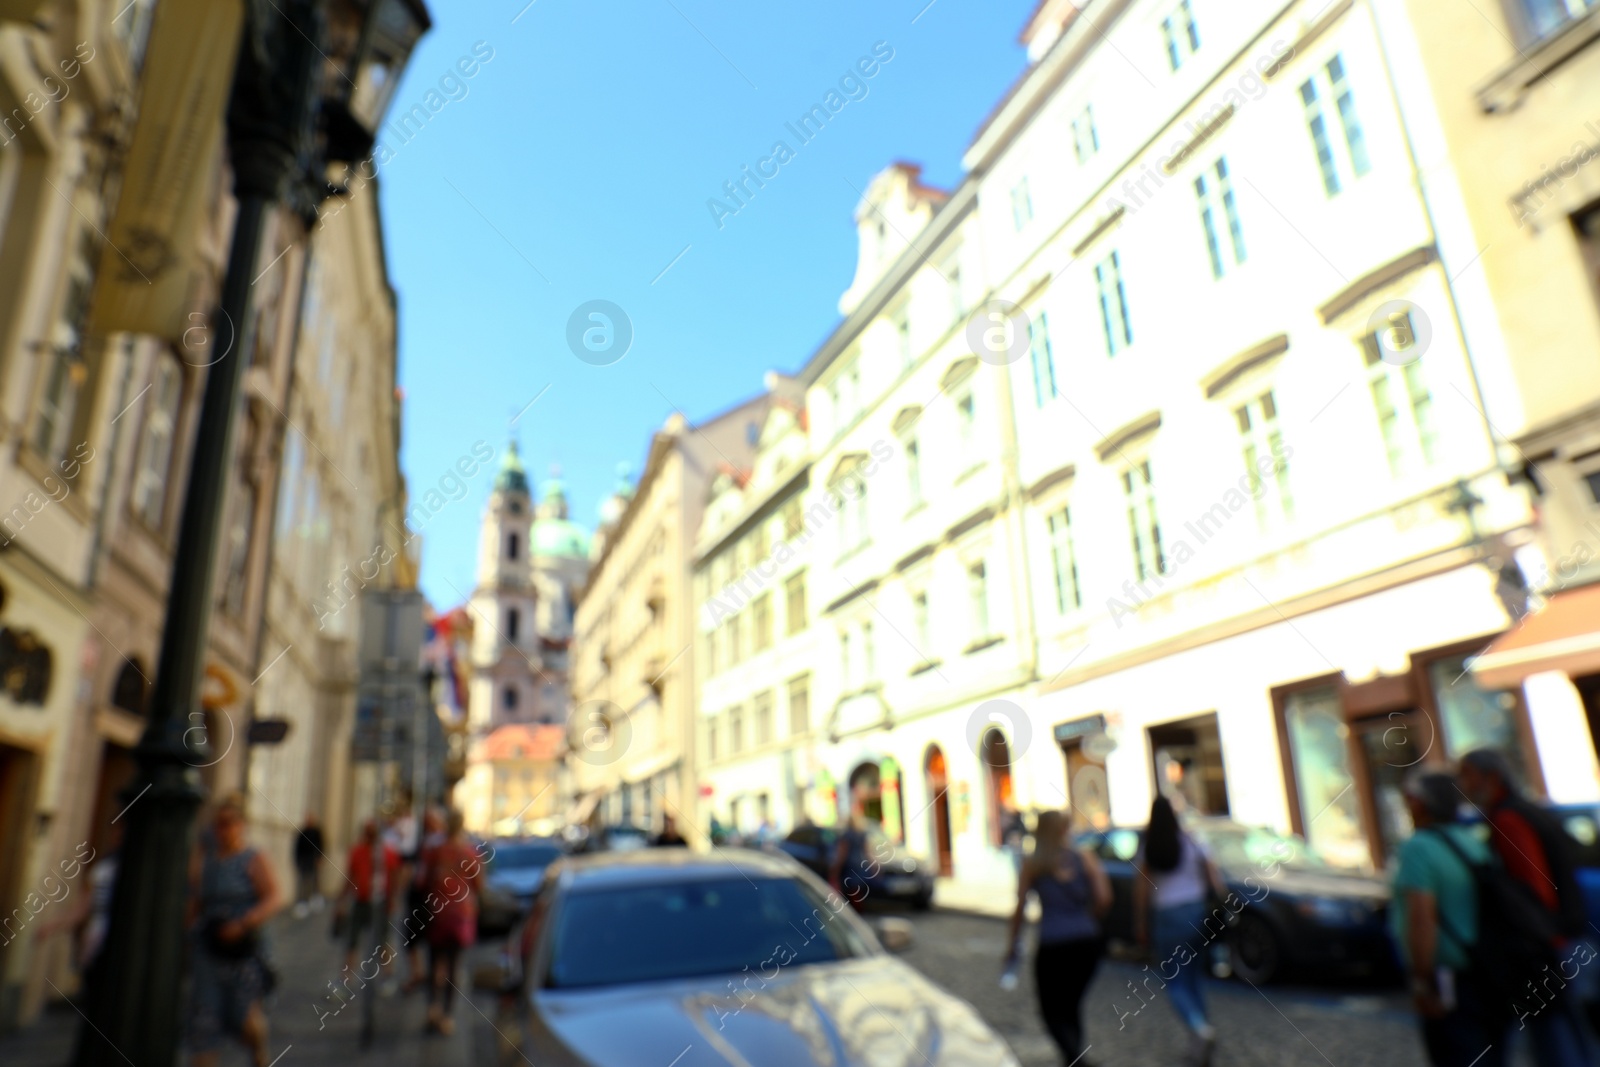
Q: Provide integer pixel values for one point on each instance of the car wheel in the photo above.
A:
(922, 902)
(1253, 950)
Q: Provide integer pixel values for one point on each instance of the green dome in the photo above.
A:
(558, 537)
(512, 478)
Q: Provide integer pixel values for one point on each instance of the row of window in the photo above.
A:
(748, 631)
(858, 654)
(738, 729)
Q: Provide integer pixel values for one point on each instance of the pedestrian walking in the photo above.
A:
(1074, 893)
(232, 895)
(307, 868)
(1434, 917)
(372, 868)
(455, 872)
(850, 860)
(1169, 911)
(1536, 851)
(418, 913)
(669, 837)
(1013, 834)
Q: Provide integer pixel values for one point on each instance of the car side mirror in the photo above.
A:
(895, 934)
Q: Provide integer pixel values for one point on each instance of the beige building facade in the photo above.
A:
(631, 738)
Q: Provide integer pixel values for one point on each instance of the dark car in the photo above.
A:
(514, 873)
(1299, 913)
(887, 872)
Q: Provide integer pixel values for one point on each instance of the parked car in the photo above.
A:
(889, 873)
(1300, 913)
(515, 872)
(627, 954)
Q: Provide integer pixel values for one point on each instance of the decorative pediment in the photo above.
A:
(907, 418)
(958, 372)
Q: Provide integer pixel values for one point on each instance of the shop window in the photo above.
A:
(1472, 717)
(1330, 808)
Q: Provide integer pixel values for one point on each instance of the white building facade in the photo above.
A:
(1153, 458)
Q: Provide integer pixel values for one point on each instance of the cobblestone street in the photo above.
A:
(1278, 1026)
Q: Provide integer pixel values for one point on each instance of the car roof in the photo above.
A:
(653, 866)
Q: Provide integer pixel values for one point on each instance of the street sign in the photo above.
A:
(268, 731)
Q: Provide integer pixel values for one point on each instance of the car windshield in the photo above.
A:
(518, 857)
(650, 933)
(1239, 847)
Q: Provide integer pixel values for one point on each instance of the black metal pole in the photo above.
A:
(135, 1010)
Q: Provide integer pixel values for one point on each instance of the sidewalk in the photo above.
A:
(306, 1030)
(996, 900)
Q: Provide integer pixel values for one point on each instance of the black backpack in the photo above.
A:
(1517, 936)
(1560, 854)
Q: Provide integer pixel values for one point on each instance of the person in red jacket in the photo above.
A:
(1531, 847)
(373, 877)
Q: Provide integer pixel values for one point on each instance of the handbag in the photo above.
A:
(242, 947)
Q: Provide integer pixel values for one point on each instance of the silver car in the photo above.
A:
(667, 956)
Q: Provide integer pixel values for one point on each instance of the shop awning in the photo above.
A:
(580, 812)
(1563, 636)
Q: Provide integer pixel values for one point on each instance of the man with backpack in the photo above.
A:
(1435, 921)
(1535, 852)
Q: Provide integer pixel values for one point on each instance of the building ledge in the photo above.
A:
(1504, 91)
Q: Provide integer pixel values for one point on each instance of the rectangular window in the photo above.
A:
(735, 628)
(711, 740)
(913, 454)
(1021, 205)
(761, 623)
(1113, 304)
(1064, 563)
(1137, 487)
(1410, 420)
(156, 441)
(847, 671)
(1264, 456)
(1044, 363)
(66, 371)
(978, 600)
(869, 655)
(237, 579)
(958, 299)
(794, 602)
(1337, 167)
(1085, 138)
(711, 640)
(800, 704)
(1541, 18)
(763, 719)
(794, 520)
(735, 731)
(966, 418)
(1219, 207)
(922, 625)
(1180, 34)
(902, 331)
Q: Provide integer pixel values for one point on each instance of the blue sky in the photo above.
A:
(576, 164)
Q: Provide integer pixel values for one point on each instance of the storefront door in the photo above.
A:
(1389, 746)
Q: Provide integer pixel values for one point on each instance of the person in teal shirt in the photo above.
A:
(1434, 919)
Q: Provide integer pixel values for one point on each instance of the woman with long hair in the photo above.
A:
(1073, 893)
(1169, 908)
(233, 893)
(455, 872)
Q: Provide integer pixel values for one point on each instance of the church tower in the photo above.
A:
(505, 646)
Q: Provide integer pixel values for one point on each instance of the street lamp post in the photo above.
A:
(134, 1010)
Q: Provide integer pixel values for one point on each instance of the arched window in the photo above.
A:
(996, 759)
(132, 687)
(511, 546)
(513, 624)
